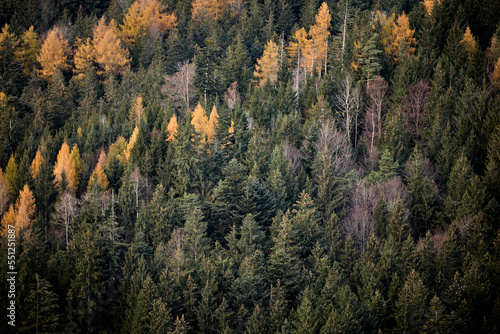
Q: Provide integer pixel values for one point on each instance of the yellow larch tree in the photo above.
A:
(28, 50)
(117, 150)
(98, 173)
(11, 174)
(131, 143)
(76, 167)
(207, 9)
(470, 43)
(8, 37)
(36, 164)
(148, 15)
(495, 76)
(212, 125)
(62, 164)
(109, 52)
(84, 57)
(267, 66)
(319, 33)
(297, 47)
(200, 121)
(25, 210)
(54, 53)
(401, 31)
(4, 193)
(9, 218)
(137, 111)
(172, 128)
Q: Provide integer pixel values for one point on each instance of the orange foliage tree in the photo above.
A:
(172, 128)
(401, 31)
(470, 44)
(25, 210)
(267, 66)
(84, 57)
(131, 143)
(36, 164)
(54, 53)
(319, 33)
(207, 9)
(146, 15)
(212, 125)
(98, 175)
(70, 164)
(109, 52)
(200, 121)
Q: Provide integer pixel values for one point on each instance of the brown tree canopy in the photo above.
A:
(54, 53)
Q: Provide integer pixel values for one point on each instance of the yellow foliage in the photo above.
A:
(212, 124)
(5, 34)
(11, 172)
(62, 164)
(207, 8)
(54, 53)
(137, 112)
(76, 169)
(387, 23)
(200, 121)
(172, 128)
(9, 218)
(131, 143)
(267, 66)
(231, 128)
(147, 15)
(98, 174)
(36, 164)
(25, 210)
(79, 132)
(495, 77)
(298, 46)
(469, 41)
(109, 53)
(28, 50)
(401, 30)
(320, 32)
(84, 57)
(118, 149)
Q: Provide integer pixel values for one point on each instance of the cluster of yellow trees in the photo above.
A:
(204, 125)
(108, 48)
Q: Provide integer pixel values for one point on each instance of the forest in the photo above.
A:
(250, 166)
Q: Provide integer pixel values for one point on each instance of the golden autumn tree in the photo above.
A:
(9, 218)
(207, 9)
(54, 53)
(131, 143)
(470, 44)
(76, 168)
(62, 165)
(117, 150)
(6, 37)
(28, 50)
(25, 210)
(401, 31)
(319, 32)
(84, 57)
(4, 193)
(110, 55)
(148, 15)
(267, 66)
(172, 128)
(11, 175)
(137, 111)
(36, 164)
(495, 76)
(98, 174)
(212, 125)
(298, 47)
(200, 121)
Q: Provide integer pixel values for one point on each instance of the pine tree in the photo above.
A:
(76, 168)
(212, 125)
(42, 302)
(12, 178)
(109, 53)
(98, 175)
(470, 44)
(36, 164)
(370, 61)
(62, 164)
(411, 304)
(54, 53)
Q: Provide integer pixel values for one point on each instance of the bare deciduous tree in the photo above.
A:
(65, 209)
(334, 143)
(348, 103)
(359, 222)
(139, 184)
(415, 106)
(391, 189)
(180, 86)
(232, 96)
(376, 91)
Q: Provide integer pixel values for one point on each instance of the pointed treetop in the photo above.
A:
(172, 128)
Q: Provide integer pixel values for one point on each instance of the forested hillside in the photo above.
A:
(259, 166)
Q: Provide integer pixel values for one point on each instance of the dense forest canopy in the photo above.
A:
(250, 166)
